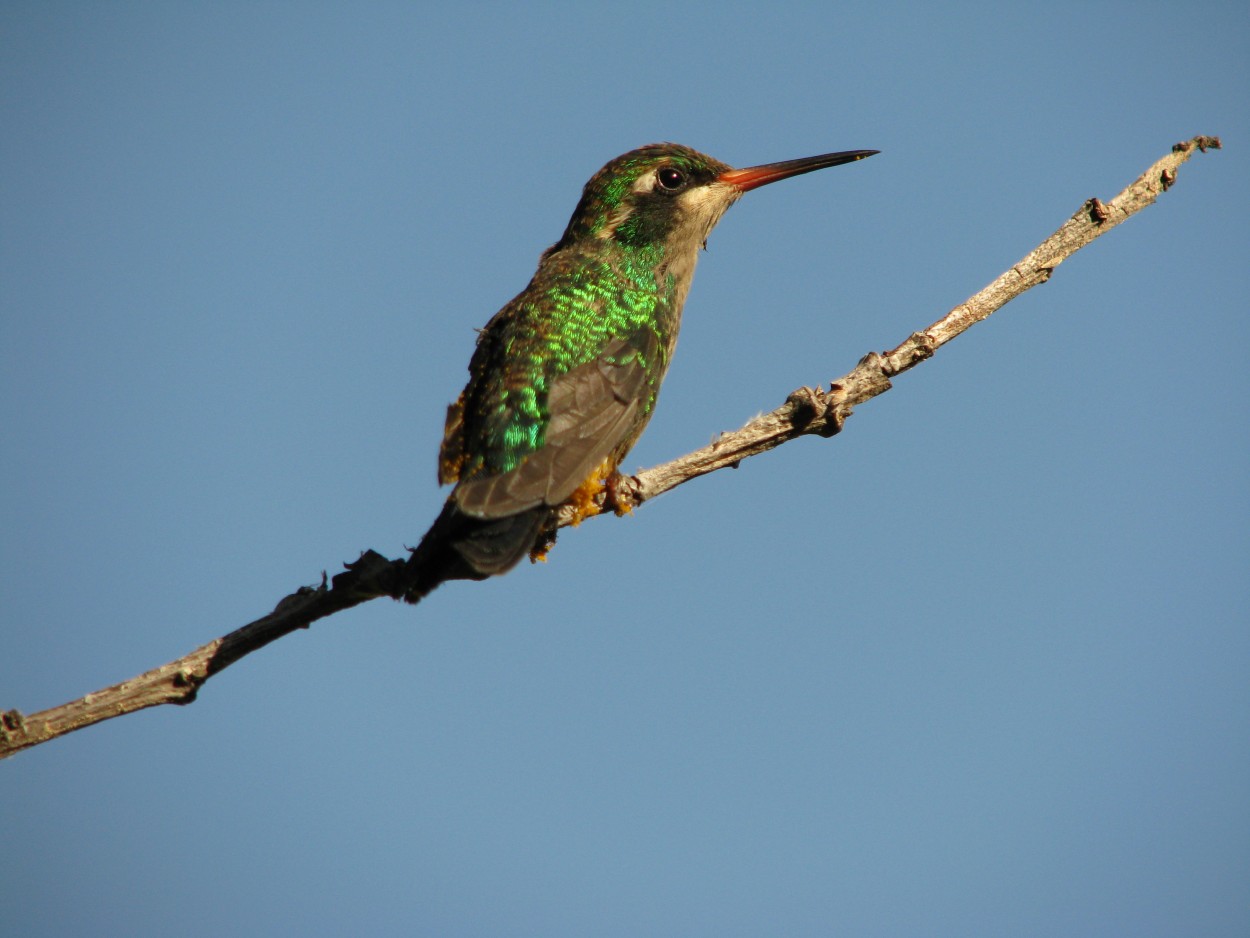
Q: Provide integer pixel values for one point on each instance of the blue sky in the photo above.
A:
(975, 667)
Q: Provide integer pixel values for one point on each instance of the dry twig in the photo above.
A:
(805, 411)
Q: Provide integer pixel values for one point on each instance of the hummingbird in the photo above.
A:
(565, 377)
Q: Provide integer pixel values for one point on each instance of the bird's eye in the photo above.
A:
(670, 178)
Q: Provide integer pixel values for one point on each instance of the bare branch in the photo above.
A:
(805, 411)
(812, 410)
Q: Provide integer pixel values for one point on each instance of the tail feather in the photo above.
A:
(461, 547)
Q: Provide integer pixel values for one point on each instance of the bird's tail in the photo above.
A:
(461, 547)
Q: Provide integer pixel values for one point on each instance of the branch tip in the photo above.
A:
(1203, 143)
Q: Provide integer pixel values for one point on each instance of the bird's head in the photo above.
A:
(669, 196)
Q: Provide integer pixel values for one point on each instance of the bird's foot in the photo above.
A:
(588, 498)
(622, 494)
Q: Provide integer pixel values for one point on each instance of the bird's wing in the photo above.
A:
(594, 411)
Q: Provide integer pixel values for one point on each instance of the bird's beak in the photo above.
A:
(755, 176)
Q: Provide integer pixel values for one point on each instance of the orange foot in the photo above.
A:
(586, 497)
(586, 502)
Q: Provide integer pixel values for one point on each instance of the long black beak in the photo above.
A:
(755, 176)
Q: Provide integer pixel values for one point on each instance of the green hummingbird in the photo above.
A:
(565, 377)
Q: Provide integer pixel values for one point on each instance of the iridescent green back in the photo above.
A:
(605, 280)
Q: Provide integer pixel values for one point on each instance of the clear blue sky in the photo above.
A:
(977, 667)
